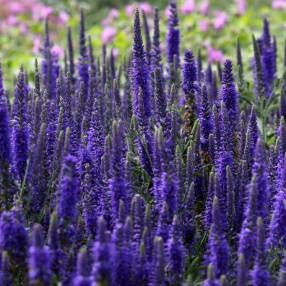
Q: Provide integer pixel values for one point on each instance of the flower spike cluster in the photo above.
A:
(144, 172)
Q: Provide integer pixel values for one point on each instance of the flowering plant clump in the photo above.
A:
(157, 170)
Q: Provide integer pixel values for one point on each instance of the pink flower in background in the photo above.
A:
(146, 7)
(108, 34)
(203, 25)
(279, 4)
(188, 7)
(63, 17)
(220, 20)
(23, 28)
(57, 51)
(12, 20)
(241, 6)
(204, 7)
(167, 12)
(37, 45)
(129, 10)
(16, 7)
(106, 21)
(115, 52)
(17, 13)
(113, 13)
(214, 55)
(45, 11)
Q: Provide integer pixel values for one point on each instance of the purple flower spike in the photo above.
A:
(141, 77)
(83, 59)
(20, 128)
(242, 271)
(260, 274)
(210, 281)
(102, 266)
(117, 182)
(13, 237)
(67, 202)
(5, 145)
(206, 121)
(156, 57)
(39, 259)
(218, 246)
(229, 94)
(173, 36)
(190, 88)
(260, 172)
(175, 254)
(158, 263)
(82, 277)
(277, 229)
(247, 237)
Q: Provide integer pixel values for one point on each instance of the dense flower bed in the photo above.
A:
(156, 170)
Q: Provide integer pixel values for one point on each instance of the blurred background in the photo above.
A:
(210, 25)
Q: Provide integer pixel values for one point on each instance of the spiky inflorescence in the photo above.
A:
(156, 57)
(283, 96)
(175, 254)
(247, 236)
(242, 271)
(229, 94)
(260, 274)
(82, 277)
(50, 67)
(262, 188)
(82, 66)
(277, 229)
(163, 228)
(102, 266)
(190, 88)
(13, 237)
(240, 65)
(122, 264)
(206, 121)
(218, 246)
(67, 200)
(226, 155)
(57, 255)
(70, 55)
(251, 137)
(117, 182)
(37, 173)
(169, 193)
(140, 74)
(20, 128)
(160, 99)
(159, 164)
(173, 35)
(268, 58)
(158, 263)
(213, 184)
(137, 216)
(259, 84)
(230, 199)
(148, 43)
(96, 137)
(5, 146)
(39, 259)
(211, 280)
